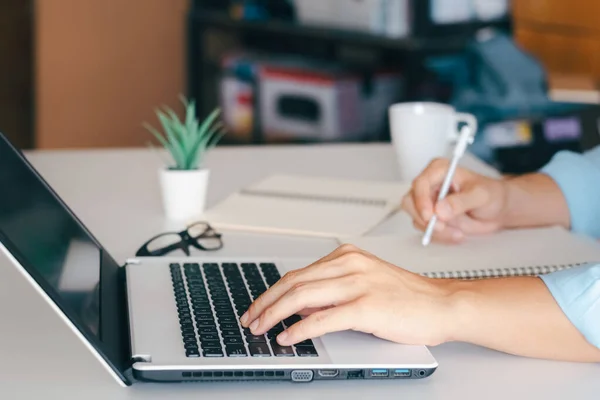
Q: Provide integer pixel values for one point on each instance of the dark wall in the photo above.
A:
(16, 71)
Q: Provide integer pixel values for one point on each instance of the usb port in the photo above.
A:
(380, 373)
(402, 372)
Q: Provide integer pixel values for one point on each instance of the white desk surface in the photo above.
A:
(115, 192)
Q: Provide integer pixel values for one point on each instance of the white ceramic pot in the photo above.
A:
(184, 193)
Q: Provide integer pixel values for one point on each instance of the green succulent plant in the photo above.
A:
(188, 140)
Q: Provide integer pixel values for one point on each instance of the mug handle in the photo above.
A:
(468, 119)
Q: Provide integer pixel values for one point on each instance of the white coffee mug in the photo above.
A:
(421, 132)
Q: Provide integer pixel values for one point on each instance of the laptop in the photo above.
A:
(170, 319)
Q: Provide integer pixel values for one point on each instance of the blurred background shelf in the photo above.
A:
(440, 44)
(213, 34)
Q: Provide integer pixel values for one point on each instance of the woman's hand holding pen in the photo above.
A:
(476, 204)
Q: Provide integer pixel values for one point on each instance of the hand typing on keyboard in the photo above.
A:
(353, 290)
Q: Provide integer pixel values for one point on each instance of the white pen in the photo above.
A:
(465, 139)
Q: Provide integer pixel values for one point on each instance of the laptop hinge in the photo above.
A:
(138, 358)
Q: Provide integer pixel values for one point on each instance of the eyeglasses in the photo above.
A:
(199, 235)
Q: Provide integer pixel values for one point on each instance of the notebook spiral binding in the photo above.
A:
(363, 201)
(499, 272)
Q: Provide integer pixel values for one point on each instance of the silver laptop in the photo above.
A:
(164, 320)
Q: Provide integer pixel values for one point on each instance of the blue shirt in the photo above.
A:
(577, 290)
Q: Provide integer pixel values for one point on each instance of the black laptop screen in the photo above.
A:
(61, 255)
(50, 240)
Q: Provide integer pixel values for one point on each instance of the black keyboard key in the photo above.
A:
(230, 332)
(229, 326)
(259, 350)
(271, 280)
(184, 314)
(292, 320)
(255, 339)
(196, 285)
(245, 305)
(190, 346)
(210, 344)
(276, 330)
(225, 314)
(306, 351)
(236, 350)
(204, 317)
(202, 311)
(208, 338)
(282, 351)
(223, 306)
(188, 330)
(229, 319)
(241, 298)
(200, 304)
(306, 342)
(190, 340)
(191, 267)
(241, 311)
(206, 324)
(192, 353)
(269, 373)
(207, 331)
(212, 352)
(233, 340)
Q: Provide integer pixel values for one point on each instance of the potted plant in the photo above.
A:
(184, 182)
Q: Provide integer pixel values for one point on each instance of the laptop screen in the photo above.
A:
(57, 251)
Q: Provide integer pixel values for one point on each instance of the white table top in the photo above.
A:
(115, 193)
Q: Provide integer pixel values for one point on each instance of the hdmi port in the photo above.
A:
(328, 373)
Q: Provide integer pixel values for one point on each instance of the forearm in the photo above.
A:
(534, 200)
(517, 316)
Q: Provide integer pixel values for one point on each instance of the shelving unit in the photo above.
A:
(280, 36)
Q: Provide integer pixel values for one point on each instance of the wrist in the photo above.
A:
(507, 214)
(522, 199)
(461, 311)
(452, 302)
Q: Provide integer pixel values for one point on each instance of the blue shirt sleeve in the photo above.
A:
(577, 290)
(578, 176)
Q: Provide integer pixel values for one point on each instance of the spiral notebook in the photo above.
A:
(309, 206)
(523, 252)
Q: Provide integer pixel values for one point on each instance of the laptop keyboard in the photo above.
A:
(210, 300)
